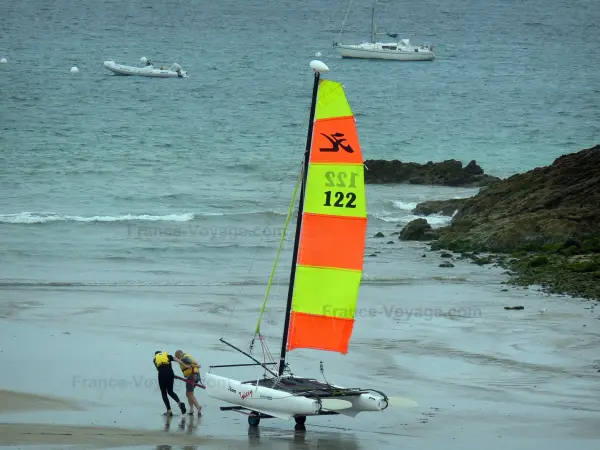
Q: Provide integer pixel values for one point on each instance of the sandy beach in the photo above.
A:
(77, 365)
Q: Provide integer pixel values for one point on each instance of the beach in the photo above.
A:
(141, 214)
(478, 372)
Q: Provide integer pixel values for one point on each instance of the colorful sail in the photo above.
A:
(333, 232)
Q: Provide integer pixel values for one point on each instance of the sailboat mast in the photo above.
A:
(373, 23)
(288, 308)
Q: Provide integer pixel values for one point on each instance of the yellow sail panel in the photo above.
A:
(336, 189)
(325, 292)
(334, 223)
(331, 101)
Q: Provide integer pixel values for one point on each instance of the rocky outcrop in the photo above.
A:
(547, 219)
(547, 205)
(417, 230)
(443, 207)
(446, 173)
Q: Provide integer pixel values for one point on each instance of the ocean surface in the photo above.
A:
(130, 180)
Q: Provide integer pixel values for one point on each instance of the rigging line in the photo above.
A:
(287, 221)
(344, 22)
(279, 277)
(254, 258)
(278, 194)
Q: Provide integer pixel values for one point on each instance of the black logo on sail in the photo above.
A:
(336, 140)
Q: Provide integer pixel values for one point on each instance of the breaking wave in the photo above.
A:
(434, 220)
(28, 218)
(407, 206)
(33, 218)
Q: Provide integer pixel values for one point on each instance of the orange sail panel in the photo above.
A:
(334, 226)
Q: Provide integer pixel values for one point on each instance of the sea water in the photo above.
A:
(135, 180)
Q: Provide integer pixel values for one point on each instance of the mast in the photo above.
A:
(316, 67)
(373, 23)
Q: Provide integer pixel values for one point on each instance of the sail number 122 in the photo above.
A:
(339, 180)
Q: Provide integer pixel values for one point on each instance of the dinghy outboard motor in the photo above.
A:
(177, 68)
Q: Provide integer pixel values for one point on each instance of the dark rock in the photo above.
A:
(390, 242)
(538, 261)
(418, 230)
(379, 235)
(443, 207)
(423, 256)
(446, 173)
(514, 307)
(445, 255)
(546, 221)
(504, 290)
(446, 264)
(584, 266)
(474, 168)
(394, 233)
(481, 261)
(556, 204)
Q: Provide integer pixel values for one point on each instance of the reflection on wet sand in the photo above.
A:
(265, 437)
(187, 424)
(169, 447)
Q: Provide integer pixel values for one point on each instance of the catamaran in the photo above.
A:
(326, 272)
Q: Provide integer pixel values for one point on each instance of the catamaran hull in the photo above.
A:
(363, 403)
(349, 51)
(282, 404)
(260, 399)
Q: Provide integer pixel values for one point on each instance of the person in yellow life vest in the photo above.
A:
(166, 378)
(191, 371)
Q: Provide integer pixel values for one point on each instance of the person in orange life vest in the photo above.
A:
(166, 377)
(191, 371)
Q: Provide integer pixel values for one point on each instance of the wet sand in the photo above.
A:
(18, 401)
(99, 437)
(481, 375)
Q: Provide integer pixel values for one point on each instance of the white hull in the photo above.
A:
(282, 404)
(146, 71)
(393, 52)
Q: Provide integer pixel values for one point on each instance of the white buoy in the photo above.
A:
(74, 69)
(3, 61)
(318, 66)
(143, 60)
(318, 54)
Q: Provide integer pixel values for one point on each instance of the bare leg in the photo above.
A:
(192, 401)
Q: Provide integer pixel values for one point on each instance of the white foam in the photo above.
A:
(30, 218)
(408, 206)
(434, 220)
(386, 217)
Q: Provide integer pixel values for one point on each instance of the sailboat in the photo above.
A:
(401, 50)
(325, 276)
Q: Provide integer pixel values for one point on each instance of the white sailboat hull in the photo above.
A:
(283, 404)
(378, 51)
(260, 399)
(147, 71)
